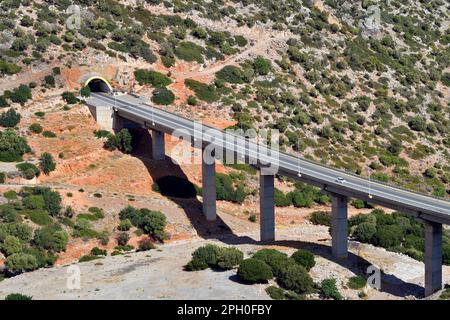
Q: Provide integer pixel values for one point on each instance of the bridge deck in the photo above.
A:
(419, 205)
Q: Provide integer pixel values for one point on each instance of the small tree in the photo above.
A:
(122, 239)
(69, 97)
(21, 262)
(229, 258)
(295, 277)
(35, 128)
(47, 163)
(329, 289)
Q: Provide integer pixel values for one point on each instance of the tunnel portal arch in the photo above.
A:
(98, 84)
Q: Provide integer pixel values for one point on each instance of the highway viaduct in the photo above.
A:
(111, 112)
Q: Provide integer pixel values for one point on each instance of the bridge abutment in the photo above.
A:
(209, 187)
(158, 145)
(339, 235)
(267, 206)
(433, 257)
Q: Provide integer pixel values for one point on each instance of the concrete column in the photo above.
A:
(433, 257)
(339, 241)
(267, 207)
(158, 147)
(105, 117)
(209, 187)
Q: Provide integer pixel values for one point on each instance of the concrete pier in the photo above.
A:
(433, 257)
(267, 207)
(339, 236)
(209, 187)
(158, 146)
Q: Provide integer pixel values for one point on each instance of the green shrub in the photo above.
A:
(281, 200)
(28, 170)
(320, 218)
(163, 96)
(329, 290)
(33, 202)
(69, 97)
(124, 225)
(231, 74)
(275, 259)
(96, 251)
(254, 271)
(52, 238)
(21, 94)
(10, 118)
(2, 177)
(35, 128)
(40, 217)
(365, 231)
(208, 253)
(21, 262)
(11, 245)
(304, 258)
(89, 257)
(189, 51)
(146, 245)
(196, 265)
(47, 163)
(229, 258)
(12, 147)
(261, 66)
(153, 223)
(295, 277)
(388, 236)
(203, 91)
(154, 78)
(18, 297)
(276, 293)
(10, 195)
(356, 282)
(49, 134)
(122, 239)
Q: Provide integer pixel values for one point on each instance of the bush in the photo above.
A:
(18, 297)
(49, 134)
(47, 163)
(40, 217)
(276, 293)
(96, 251)
(189, 51)
(10, 195)
(275, 259)
(295, 277)
(203, 91)
(21, 94)
(209, 254)
(163, 96)
(154, 78)
(34, 202)
(231, 74)
(320, 218)
(28, 170)
(124, 225)
(21, 262)
(254, 271)
(52, 238)
(356, 282)
(121, 141)
(11, 245)
(12, 147)
(388, 236)
(10, 118)
(196, 265)
(229, 258)
(153, 224)
(304, 258)
(35, 128)
(365, 231)
(69, 97)
(146, 245)
(122, 239)
(329, 289)
(2, 177)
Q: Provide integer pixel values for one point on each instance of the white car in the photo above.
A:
(340, 180)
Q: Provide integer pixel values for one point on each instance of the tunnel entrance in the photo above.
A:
(97, 84)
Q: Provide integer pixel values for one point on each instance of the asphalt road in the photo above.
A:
(427, 207)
